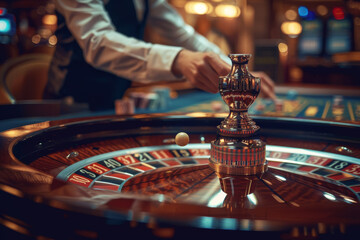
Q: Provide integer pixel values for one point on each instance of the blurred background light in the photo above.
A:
(303, 11)
(197, 7)
(5, 25)
(291, 15)
(53, 40)
(338, 13)
(227, 10)
(322, 10)
(283, 47)
(36, 39)
(292, 29)
(296, 74)
(49, 19)
(311, 15)
(2, 11)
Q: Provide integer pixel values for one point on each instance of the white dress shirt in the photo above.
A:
(106, 49)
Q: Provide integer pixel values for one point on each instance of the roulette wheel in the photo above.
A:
(94, 177)
(113, 176)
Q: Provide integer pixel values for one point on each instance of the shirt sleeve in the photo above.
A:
(172, 27)
(106, 49)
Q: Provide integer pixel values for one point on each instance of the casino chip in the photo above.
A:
(279, 103)
(292, 95)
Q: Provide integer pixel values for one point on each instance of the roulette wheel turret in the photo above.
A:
(236, 149)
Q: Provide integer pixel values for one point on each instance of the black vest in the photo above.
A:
(70, 75)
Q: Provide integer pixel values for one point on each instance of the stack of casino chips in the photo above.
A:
(338, 107)
(155, 100)
(124, 106)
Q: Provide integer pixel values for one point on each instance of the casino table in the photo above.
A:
(301, 105)
(106, 177)
(307, 103)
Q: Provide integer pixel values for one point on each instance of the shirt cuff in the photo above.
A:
(160, 60)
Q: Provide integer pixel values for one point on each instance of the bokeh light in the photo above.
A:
(338, 13)
(226, 10)
(296, 74)
(291, 15)
(322, 10)
(36, 39)
(5, 25)
(311, 15)
(49, 19)
(2, 11)
(53, 40)
(303, 11)
(292, 29)
(283, 47)
(199, 8)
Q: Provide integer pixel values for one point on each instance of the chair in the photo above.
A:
(22, 82)
(24, 77)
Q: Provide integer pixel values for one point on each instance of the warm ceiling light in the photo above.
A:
(283, 47)
(52, 40)
(292, 29)
(200, 8)
(49, 19)
(36, 39)
(226, 10)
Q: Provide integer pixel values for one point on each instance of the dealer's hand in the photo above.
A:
(267, 85)
(201, 69)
